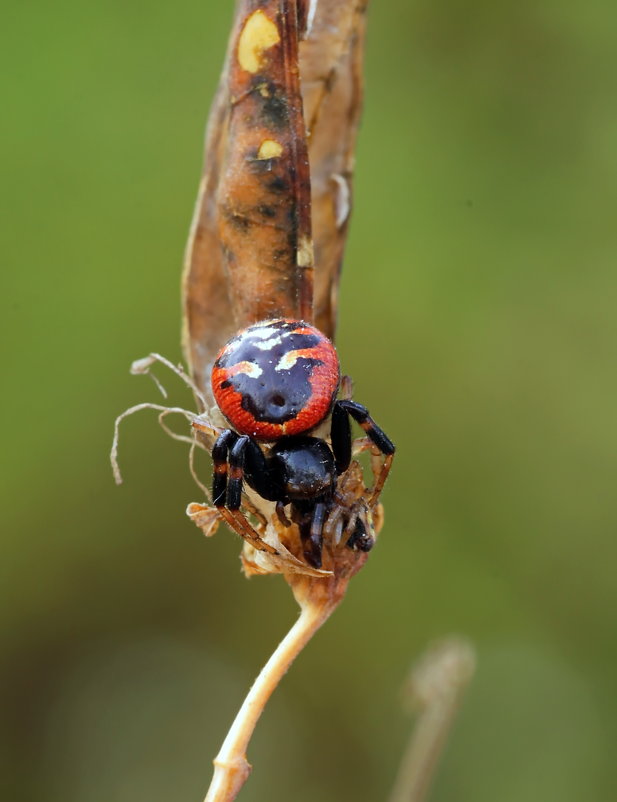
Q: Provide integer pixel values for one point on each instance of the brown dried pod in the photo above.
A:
(229, 281)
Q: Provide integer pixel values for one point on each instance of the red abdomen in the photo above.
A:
(276, 378)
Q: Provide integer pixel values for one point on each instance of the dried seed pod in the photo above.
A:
(252, 230)
(331, 59)
(230, 279)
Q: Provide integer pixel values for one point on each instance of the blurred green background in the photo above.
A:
(478, 320)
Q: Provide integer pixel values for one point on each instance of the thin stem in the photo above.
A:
(231, 768)
(423, 752)
(437, 685)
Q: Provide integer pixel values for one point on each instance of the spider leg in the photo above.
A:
(240, 524)
(310, 517)
(236, 472)
(333, 525)
(341, 441)
(230, 504)
(361, 415)
(315, 539)
(263, 521)
(340, 434)
(380, 481)
(220, 450)
(257, 472)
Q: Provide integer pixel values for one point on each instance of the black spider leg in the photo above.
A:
(361, 415)
(248, 464)
(220, 450)
(341, 441)
(236, 473)
(314, 544)
(226, 494)
(340, 435)
(310, 517)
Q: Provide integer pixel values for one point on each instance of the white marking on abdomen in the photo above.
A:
(266, 345)
(249, 369)
(262, 333)
(287, 361)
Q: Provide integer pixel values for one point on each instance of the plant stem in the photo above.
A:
(231, 768)
(437, 685)
(423, 752)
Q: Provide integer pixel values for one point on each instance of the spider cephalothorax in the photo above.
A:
(275, 382)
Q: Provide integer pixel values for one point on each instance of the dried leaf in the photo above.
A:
(205, 517)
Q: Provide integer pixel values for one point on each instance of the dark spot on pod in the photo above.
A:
(273, 107)
(267, 211)
(259, 166)
(274, 110)
(278, 185)
(239, 221)
(228, 252)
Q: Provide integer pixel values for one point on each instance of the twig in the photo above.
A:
(436, 686)
(141, 367)
(113, 456)
(231, 768)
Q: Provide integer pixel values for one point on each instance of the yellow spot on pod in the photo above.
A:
(305, 256)
(258, 35)
(269, 149)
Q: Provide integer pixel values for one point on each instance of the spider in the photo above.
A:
(276, 382)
